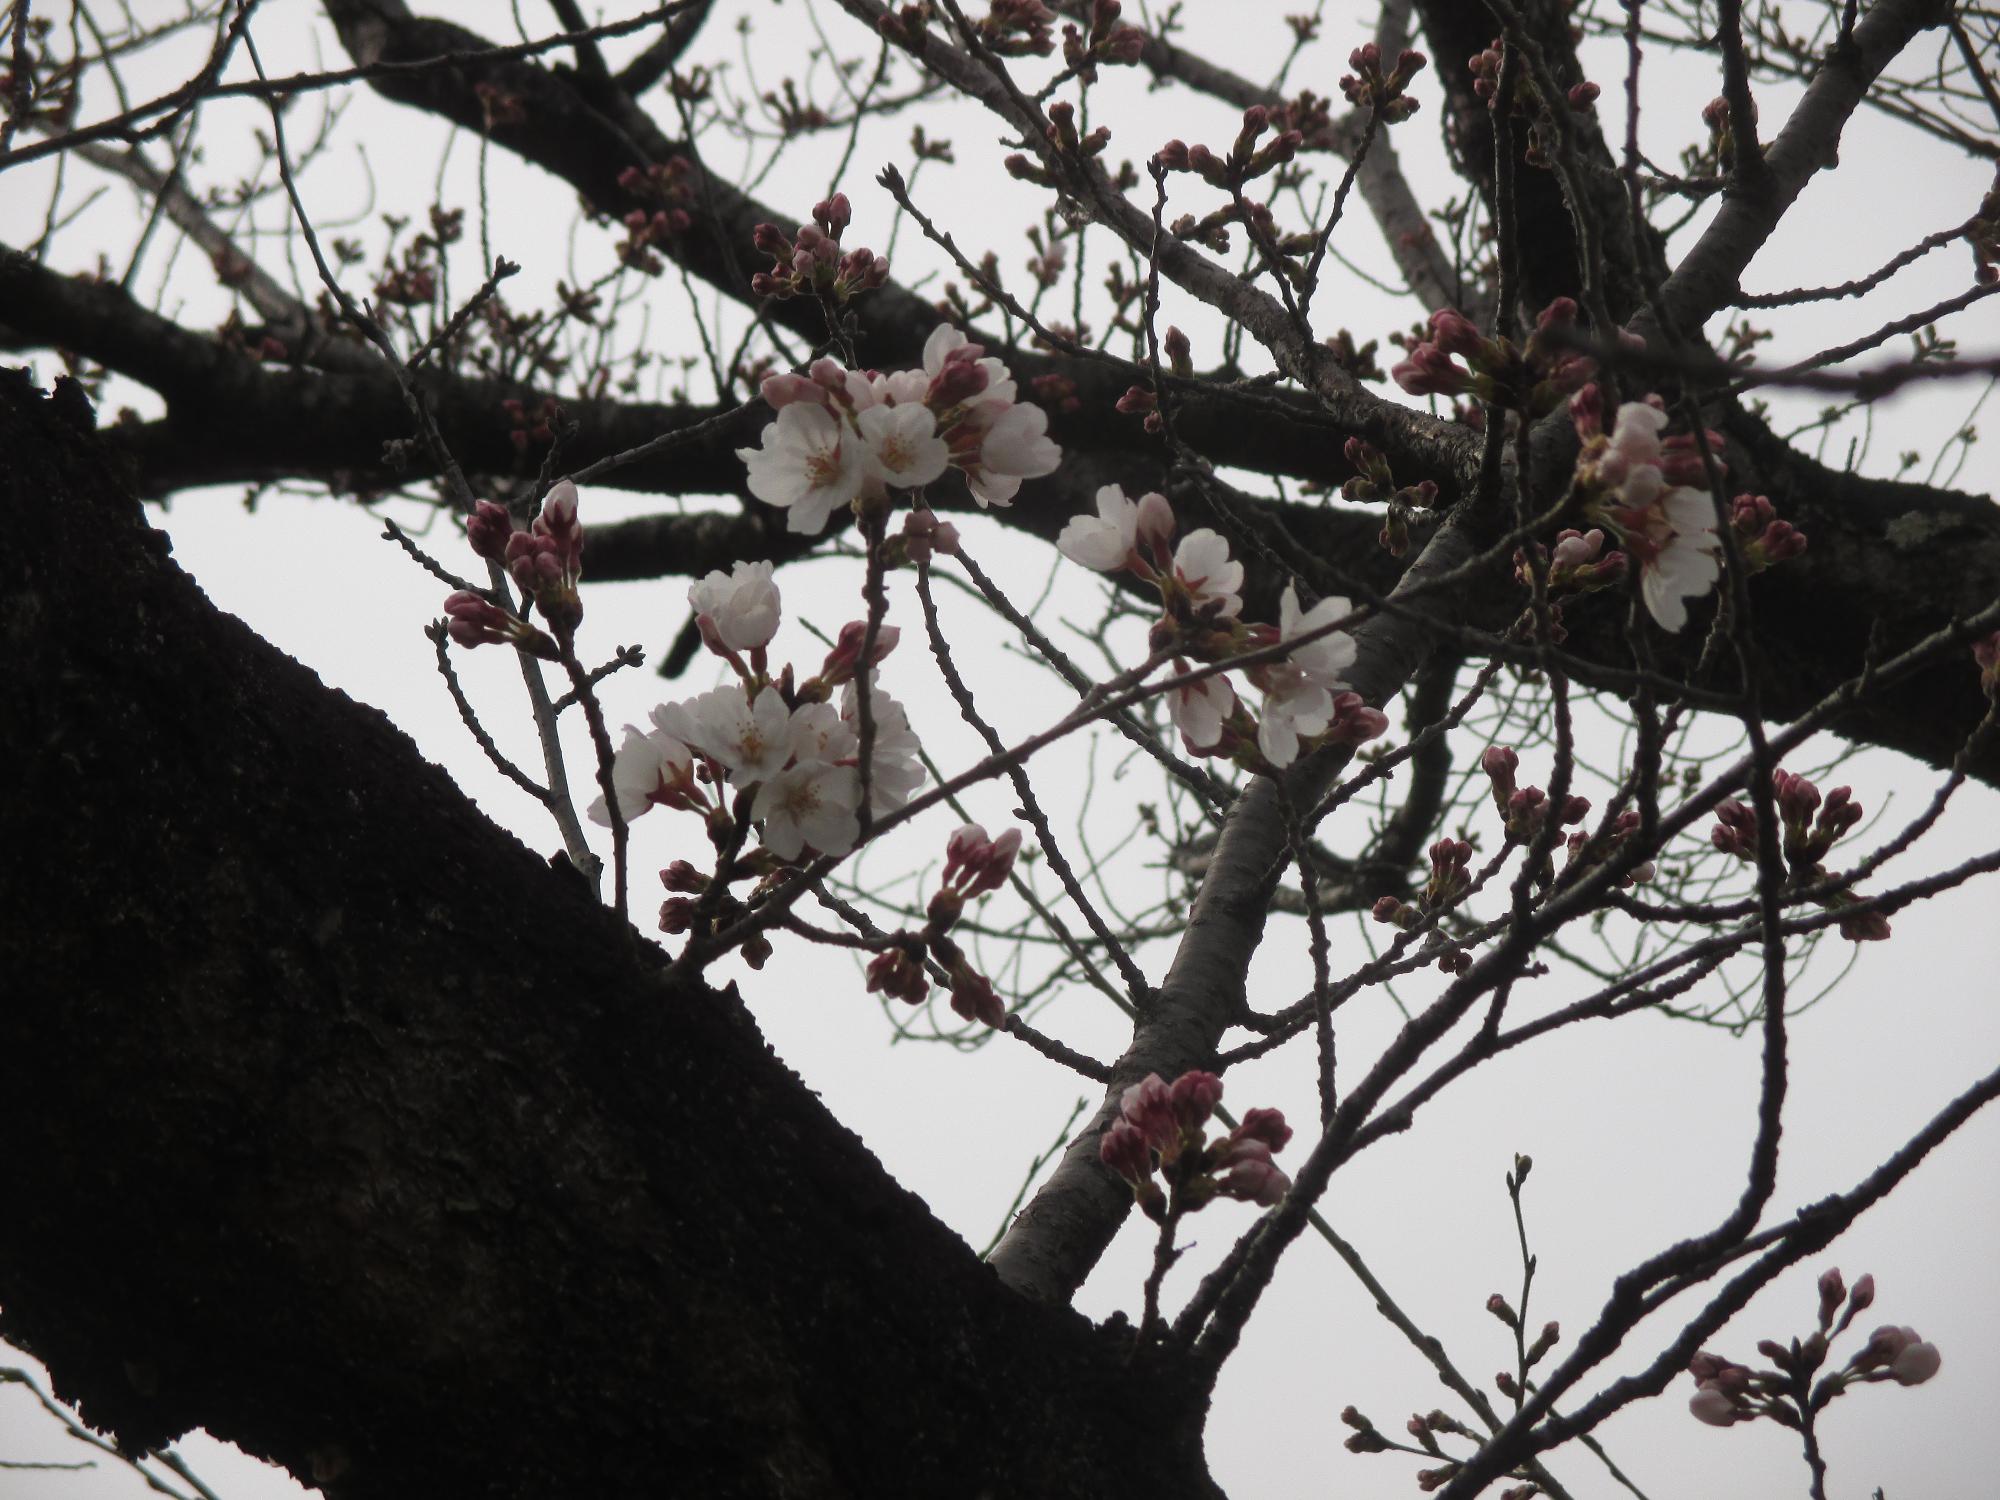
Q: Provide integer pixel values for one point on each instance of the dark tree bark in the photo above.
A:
(344, 1126)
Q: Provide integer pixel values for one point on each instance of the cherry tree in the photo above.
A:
(1358, 605)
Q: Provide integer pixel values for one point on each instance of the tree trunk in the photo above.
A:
(337, 1122)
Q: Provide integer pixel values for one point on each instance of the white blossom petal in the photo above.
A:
(743, 604)
(1206, 570)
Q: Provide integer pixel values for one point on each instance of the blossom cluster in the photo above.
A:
(1727, 1393)
(788, 746)
(1640, 487)
(1164, 1127)
(1304, 698)
(1809, 826)
(849, 436)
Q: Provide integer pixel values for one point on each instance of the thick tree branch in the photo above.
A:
(493, 1208)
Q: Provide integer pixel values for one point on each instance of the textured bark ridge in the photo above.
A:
(337, 1122)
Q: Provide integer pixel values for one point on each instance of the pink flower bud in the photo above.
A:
(1863, 1295)
(1586, 411)
(843, 662)
(1916, 1364)
(1148, 1106)
(973, 997)
(487, 529)
(1797, 797)
(1714, 1406)
(899, 975)
(1576, 549)
(1253, 1180)
(783, 388)
(1429, 371)
(1266, 1125)
(924, 534)
(683, 877)
(1455, 333)
(1124, 1149)
(836, 213)
(1194, 1096)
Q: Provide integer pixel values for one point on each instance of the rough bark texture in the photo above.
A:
(341, 1124)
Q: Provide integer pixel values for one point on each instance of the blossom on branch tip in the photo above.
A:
(844, 660)
(813, 803)
(651, 769)
(750, 740)
(902, 446)
(1200, 709)
(1120, 534)
(1209, 575)
(809, 465)
(1248, 1173)
(896, 767)
(741, 607)
(1012, 444)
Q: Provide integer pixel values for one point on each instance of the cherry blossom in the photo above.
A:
(810, 464)
(945, 342)
(895, 767)
(1325, 658)
(812, 802)
(1204, 568)
(817, 732)
(975, 863)
(651, 769)
(741, 606)
(1111, 539)
(1200, 709)
(751, 741)
(903, 448)
(1295, 708)
(1013, 445)
(1671, 534)
(1669, 530)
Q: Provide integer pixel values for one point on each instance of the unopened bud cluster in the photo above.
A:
(1163, 1128)
(975, 865)
(665, 194)
(1792, 1392)
(1249, 157)
(1809, 827)
(1368, 87)
(1578, 98)
(545, 562)
(1108, 43)
(813, 263)
(1533, 379)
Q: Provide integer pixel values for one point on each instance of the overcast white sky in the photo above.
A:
(1639, 1132)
